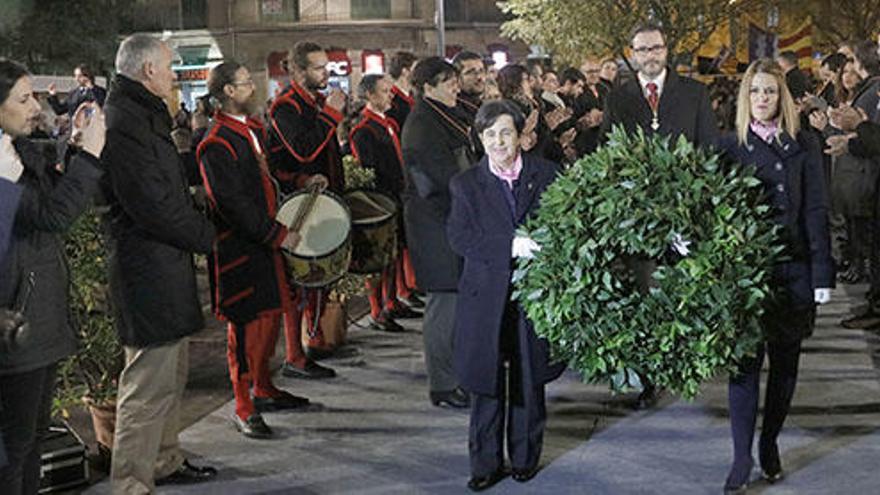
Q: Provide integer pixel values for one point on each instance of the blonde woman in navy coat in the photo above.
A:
(789, 164)
(489, 202)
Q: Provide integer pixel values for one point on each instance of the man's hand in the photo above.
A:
(52, 89)
(838, 145)
(847, 118)
(557, 117)
(12, 327)
(336, 99)
(318, 180)
(291, 241)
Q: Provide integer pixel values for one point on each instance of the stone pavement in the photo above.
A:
(375, 432)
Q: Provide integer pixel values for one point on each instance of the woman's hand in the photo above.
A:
(89, 131)
(821, 296)
(818, 120)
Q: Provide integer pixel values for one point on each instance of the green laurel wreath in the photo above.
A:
(623, 209)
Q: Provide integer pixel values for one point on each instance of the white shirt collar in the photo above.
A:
(240, 118)
(659, 80)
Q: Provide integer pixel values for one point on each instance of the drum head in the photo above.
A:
(325, 228)
(370, 206)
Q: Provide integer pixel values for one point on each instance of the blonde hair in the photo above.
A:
(786, 110)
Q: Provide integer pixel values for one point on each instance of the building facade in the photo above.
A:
(360, 35)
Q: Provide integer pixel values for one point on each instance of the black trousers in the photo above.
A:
(517, 412)
(743, 390)
(26, 400)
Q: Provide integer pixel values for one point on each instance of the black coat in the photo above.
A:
(434, 149)
(401, 106)
(375, 142)
(248, 276)
(154, 227)
(302, 139)
(481, 229)
(49, 205)
(792, 175)
(76, 98)
(587, 139)
(684, 109)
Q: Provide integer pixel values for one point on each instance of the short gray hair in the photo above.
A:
(134, 52)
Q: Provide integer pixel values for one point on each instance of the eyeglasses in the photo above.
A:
(642, 50)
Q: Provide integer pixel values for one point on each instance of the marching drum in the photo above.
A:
(324, 224)
(374, 230)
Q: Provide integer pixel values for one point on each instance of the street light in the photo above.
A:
(440, 22)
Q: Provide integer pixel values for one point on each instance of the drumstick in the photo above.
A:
(305, 209)
(369, 201)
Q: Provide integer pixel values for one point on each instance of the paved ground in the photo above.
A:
(375, 432)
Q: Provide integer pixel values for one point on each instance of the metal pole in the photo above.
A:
(440, 21)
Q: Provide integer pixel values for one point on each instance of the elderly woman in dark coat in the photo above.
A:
(489, 202)
(789, 164)
(33, 274)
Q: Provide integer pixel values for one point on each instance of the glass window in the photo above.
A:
(274, 11)
(194, 14)
(370, 9)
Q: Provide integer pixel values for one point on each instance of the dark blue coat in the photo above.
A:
(793, 178)
(481, 229)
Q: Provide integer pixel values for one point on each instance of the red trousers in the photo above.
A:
(260, 337)
(394, 283)
(306, 304)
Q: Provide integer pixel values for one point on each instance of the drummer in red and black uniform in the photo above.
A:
(375, 142)
(248, 280)
(400, 69)
(302, 140)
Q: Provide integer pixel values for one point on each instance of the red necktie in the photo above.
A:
(653, 97)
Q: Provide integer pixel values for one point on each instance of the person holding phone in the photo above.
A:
(34, 280)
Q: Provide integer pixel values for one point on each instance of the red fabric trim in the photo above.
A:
(279, 233)
(293, 152)
(388, 124)
(407, 98)
(238, 297)
(234, 263)
(335, 114)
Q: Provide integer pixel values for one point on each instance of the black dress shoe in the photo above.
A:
(524, 475)
(282, 402)
(480, 483)
(413, 301)
(404, 313)
(318, 353)
(385, 323)
(188, 474)
(311, 371)
(456, 398)
(253, 427)
(647, 399)
(771, 465)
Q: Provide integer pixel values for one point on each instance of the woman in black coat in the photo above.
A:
(34, 273)
(789, 164)
(489, 202)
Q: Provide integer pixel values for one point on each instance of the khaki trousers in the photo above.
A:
(145, 446)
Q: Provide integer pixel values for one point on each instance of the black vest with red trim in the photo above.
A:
(375, 142)
(302, 139)
(401, 105)
(248, 276)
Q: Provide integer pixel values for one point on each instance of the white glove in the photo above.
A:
(524, 247)
(680, 245)
(821, 296)
(10, 163)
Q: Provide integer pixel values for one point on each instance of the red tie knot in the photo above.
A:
(652, 88)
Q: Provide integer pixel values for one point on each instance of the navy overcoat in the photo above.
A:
(792, 174)
(481, 229)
